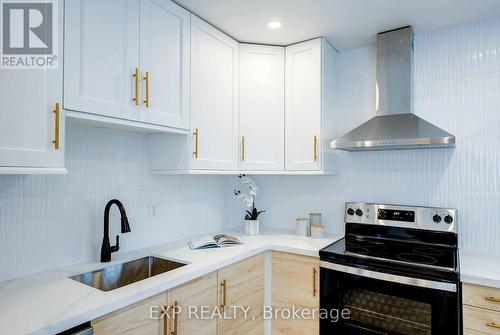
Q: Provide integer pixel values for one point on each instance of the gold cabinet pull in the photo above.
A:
(314, 281)
(492, 299)
(175, 311)
(195, 152)
(165, 322)
(492, 325)
(315, 148)
(135, 99)
(224, 294)
(146, 78)
(242, 148)
(57, 111)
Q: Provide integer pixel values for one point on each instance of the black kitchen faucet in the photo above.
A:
(106, 249)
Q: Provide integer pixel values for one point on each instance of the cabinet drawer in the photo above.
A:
(481, 296)
(472, 332)
(481, 320)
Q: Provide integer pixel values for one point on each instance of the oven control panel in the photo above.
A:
(428, 218)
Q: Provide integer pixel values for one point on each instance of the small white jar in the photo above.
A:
(317, 231)
(302, 227)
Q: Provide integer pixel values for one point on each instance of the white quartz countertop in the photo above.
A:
(50, 302)
(480, 269)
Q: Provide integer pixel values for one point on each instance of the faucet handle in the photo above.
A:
(116, 247)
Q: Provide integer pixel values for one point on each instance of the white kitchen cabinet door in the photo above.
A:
(261, 107)
(214, 98)
(164, 54)
(27, 118)
(303, 106)
(102, 54)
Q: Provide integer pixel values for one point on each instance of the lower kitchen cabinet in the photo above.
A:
(226, 290)
(201, 292)
(295, 283)
(481, 310)
(242, 285)
(132, 320)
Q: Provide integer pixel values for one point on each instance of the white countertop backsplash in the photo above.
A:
(50, 302)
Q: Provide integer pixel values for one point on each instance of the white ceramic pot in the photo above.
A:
(252, 227)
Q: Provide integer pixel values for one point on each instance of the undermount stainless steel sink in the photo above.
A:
(119, 275)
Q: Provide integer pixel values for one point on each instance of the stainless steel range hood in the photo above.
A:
(395, 126)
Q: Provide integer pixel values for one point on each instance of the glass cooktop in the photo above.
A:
(401, 256)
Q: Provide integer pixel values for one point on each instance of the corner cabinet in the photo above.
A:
(261, 108)
(242, 284)
(127, 60)
(255, 109)
(214, 98)
(309, 105)
(294, 282)
(32, 119)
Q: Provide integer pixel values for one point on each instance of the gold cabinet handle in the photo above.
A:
(175, 310)
(135, 99)
(492, 325)
(146, 78)
(57, 111)
(314, 281)
(195, 152)
(315, 148)
(492, 299)
(242, 148)
(165, 322)
(224, 294)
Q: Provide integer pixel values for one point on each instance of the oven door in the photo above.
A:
(381, 303)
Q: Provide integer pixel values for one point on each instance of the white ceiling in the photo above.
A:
(346, 23)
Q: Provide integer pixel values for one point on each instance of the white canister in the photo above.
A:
(315, 218)
(317, 231)
(302, 226)
(252, 227)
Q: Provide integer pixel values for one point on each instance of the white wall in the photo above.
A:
(457, 87)
(52, 221)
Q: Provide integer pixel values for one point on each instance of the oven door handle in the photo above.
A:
(449, 287)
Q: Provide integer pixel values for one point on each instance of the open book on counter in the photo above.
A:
(217, 241)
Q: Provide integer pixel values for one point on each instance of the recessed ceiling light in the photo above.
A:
(274, 24)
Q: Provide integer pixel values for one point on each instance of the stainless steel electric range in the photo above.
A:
(396, 271)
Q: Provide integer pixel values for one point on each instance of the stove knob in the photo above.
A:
(436, 218)
(350, 211)
(359, 212)
(448, 219)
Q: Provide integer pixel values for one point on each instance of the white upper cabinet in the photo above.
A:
(261, 108)
(31, 132)
(102, 54)
(309, 94)
(164, 54)
(214, 98)
(128, 60)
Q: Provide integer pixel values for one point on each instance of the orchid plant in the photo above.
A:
(249, 198)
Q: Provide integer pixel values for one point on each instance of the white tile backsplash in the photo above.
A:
(53, 221)
(457, 87)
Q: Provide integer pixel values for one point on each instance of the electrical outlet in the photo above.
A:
(152, 210)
